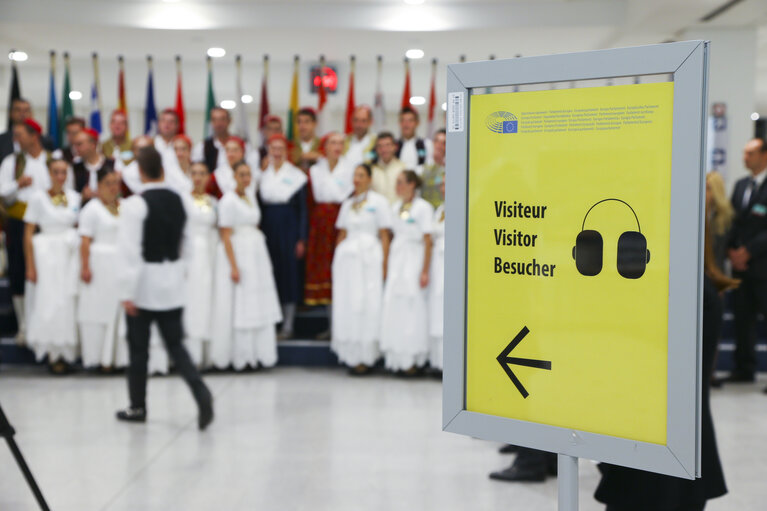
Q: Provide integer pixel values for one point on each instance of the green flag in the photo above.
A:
(211, 100)
(67, 110)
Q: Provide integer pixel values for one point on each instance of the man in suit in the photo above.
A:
(152, 247)
(748, 253)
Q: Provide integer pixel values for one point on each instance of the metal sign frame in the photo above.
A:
(687, 62)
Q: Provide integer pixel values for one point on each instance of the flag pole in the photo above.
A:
(96, 79)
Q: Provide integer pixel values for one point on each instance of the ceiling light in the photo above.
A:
(414, 2)
(228, 104)
(444, 107)
(75, 95)
(18, 56)
(755, 116)
(216, 52)
(418, 100)
(246, 98)
(171, 1)
(414, 53)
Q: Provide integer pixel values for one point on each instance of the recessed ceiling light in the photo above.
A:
(75, 95)
(216, 52)
(444, 107)
(228, 104)
(414, 2)
(755, 116)
(18, 56)
(414, 53)
(418, 100)
(246, 98)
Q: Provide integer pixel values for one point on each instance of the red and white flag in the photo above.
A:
(350, 99)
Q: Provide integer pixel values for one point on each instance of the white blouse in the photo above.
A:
(226, 182)
(412, 224)
(331, 186)
(234, 211)
(41, 211)
(202, 214)
(371, 214)
(279, 186)
(97, 223)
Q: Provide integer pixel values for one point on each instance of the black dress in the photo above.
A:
(627, 489)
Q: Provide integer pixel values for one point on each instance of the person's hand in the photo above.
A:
(300, 249)
(235, 275)
(130, 308)
(85, 275)
(739, 258)
(87, 193)
(424, 279)
(31, 274)
(24, 181)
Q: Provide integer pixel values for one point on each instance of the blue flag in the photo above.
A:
(95, 112)
(150, 112)
(53, 114)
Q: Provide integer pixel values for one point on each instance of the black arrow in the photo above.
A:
(504, 359)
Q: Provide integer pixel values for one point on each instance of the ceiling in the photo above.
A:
(444, 29)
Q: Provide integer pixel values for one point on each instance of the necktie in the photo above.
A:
(749, 193)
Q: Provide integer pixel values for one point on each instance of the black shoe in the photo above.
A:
(508, 449)
(716, 383)
(740, 378)
(132, 415)
(514, 474)
(206, 415)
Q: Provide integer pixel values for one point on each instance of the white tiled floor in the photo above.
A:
(296, 439)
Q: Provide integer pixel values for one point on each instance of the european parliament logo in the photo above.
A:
(501, 122)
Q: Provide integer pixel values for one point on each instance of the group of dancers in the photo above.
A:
(265, 230)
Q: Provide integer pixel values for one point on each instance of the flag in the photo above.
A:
(350, 98)
(406, 89)
(67, 110)
(53, 109)
(150, 112)
(322, 98)
(122, 102)
(95, 119)
(263, 109)
(432, 98)
(15, 90)
(241, 114)
(293, 110)
(379, 111)
(179, 98)
(210, 101)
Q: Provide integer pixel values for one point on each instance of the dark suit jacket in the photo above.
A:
(749, 229)
(6, 144)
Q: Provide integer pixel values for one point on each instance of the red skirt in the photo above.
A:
(319, 253)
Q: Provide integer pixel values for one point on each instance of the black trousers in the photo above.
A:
(172, 331)
(750, 299)
(14, 246)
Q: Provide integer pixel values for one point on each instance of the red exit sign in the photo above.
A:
(328, 77)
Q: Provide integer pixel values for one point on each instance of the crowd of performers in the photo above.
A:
(353, 223)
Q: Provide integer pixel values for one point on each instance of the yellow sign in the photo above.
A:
(568, 258)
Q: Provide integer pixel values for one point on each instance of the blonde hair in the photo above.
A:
(723, 212)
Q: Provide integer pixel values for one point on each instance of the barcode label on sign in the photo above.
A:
(455, 120)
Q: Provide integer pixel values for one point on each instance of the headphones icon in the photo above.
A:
(633, 255)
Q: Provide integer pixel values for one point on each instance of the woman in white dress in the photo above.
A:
(222, 179)
(182, 181)
(359, 265)
(404, 320)
(437, 286)
(52, 268)
(99, 312)
(204, 238)
(246, 309)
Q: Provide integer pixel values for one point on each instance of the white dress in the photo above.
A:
(437, 289)
(404, 320)
(358, 279)
(244, 314)
(226, 183)
(99, 311)
(51, 301)
(197, 313)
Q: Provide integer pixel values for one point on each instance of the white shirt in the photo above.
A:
(331, 186)
(413, 224)
(385, 178)
(36, 168)
(49, 218)
(306, 146)
(279, 186)
(226, 183)
(166, 150)
(251, 155)
(357, 147)
(371, 217)
(151, 286)
(131, 177)
(93, 179)
(759, 179)
(234, 211)
(98, 223)
(409, 154)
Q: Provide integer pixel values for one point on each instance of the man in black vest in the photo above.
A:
(212, 150)
(91, 161)
(413, 151)
(748, 254)
(152, 241)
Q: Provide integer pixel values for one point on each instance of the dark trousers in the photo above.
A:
(171, 329)
(14, 245)
(750, 299)
(693, 507)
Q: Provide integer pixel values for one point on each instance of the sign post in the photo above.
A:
(574, 243)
